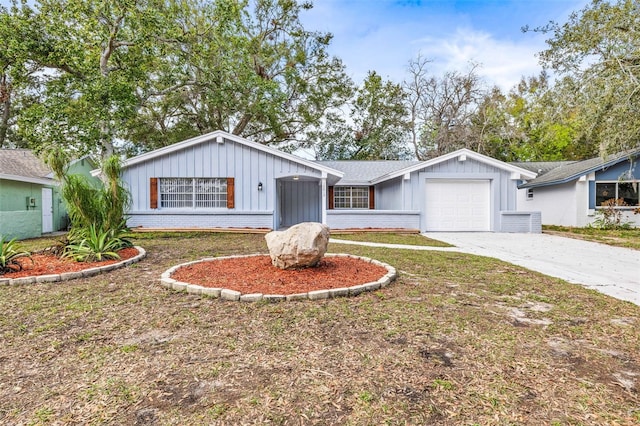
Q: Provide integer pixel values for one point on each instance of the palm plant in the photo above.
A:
(97, 214)
(9, 255)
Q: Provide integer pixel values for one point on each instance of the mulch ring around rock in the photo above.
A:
(254, 278)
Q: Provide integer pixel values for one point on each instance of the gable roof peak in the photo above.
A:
(220, 136)
(462, 154)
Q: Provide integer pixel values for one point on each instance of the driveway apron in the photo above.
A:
(614, 271)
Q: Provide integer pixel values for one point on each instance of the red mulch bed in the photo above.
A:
(256, 274)
(47, 264)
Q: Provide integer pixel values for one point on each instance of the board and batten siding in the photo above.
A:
(401, 203)
(210, 159)
(503, 189)
(299, 202)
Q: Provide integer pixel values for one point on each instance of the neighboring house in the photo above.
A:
(570, 193)
(219, 180)
(30, 202)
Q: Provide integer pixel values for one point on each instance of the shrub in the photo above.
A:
(94, 244)
(9, 255)
(609, 217)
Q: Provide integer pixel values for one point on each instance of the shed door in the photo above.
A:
(458, 205)
(47, 210)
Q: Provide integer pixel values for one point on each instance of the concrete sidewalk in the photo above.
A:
(614, 271)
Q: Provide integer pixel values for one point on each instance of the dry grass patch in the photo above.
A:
(458, 339)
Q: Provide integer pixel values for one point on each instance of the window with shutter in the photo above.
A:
(196, 193)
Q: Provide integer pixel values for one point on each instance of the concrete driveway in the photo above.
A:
(610, 270)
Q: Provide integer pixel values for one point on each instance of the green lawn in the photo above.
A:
(456, 340)
(387, 238)
(629, 238)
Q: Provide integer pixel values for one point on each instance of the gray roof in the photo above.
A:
(573, 170)
(363, 172)
(541, 167)
(22, 163)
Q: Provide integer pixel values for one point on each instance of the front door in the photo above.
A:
(47, 210)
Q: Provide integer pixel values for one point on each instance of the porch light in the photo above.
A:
(259, 186)
(296, 177)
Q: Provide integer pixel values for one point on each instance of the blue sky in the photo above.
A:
(383, 35)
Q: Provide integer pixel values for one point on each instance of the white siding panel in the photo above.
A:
(389, 195)
(389, 219)
(557, 204)
(205, 221)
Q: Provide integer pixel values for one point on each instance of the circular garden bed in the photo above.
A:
(254, 278)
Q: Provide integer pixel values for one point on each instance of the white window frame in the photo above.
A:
(616, 195)
(192, 193)
(529, 193)
(351, 197)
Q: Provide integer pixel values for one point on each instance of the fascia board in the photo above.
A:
(578, 174)
(39, 181)
(526, 174)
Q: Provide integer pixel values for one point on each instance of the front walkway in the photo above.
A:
(614, 271)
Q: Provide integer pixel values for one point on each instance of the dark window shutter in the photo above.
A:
(230, 193)
(330, 198)
(372, 201)
(153, 193)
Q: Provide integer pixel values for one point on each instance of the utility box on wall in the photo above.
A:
(31, 203)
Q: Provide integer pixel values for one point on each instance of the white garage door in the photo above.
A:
(458, 205)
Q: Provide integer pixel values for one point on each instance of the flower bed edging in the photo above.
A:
(66, 276)
(232, 295)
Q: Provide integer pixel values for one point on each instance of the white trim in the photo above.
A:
(41, 181)
(350, 197)
(523, 174)
(323, 200)
(219, 134)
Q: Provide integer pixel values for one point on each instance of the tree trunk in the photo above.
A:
(242, 124)
(5, 99)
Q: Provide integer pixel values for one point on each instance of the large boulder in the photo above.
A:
(300, 246)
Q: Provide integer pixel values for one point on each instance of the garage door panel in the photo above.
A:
(458, 205)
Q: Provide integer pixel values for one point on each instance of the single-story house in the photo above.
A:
(30, 202)
(570, 193)
(219, 180)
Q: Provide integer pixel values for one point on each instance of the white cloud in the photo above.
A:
(383, 36)
(502, 62)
